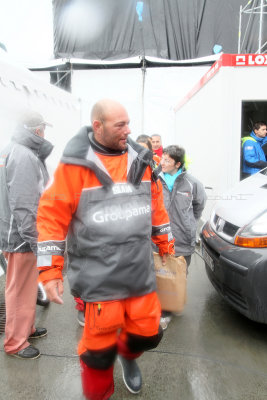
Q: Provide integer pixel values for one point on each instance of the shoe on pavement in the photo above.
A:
(29, 353)
(80, 318)
(39, 332)
(164, 322)
(131, 375)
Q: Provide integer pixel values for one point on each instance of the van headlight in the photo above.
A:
(253, 234)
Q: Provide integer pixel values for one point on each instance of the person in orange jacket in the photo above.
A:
(105, 202)
(145, 141)
(157, 145)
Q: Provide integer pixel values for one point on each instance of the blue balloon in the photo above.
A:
(217, 48)
(139, 9)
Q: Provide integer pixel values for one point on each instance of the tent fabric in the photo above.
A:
(168, 29)
(68, 64)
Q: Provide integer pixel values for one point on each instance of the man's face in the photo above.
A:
(261, 132)
(114, 130)
(168, 164)
(156, 142)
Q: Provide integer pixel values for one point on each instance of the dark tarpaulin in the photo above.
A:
(170, 29)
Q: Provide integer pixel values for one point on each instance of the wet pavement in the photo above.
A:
(209, 353)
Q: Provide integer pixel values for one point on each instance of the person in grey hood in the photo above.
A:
(23, 176)
(184, 199)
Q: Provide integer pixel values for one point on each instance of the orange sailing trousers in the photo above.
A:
(127, 326)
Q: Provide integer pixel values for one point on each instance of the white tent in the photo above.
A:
(20, 90)
(148, 87)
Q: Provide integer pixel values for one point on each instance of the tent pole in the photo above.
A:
(246, 6)
(260, 29)
(239, 30)
(143, 68)
(139, 10)
(63, 76)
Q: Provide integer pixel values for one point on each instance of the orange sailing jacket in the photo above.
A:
(108, 207)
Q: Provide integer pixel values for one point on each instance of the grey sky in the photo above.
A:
(26, 29)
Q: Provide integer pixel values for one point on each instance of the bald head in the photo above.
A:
(102, 108)
(110, 123)
(156, 142)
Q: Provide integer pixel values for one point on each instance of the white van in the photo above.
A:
(234, 246)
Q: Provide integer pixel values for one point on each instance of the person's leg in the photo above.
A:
(98, 348)
(97, 384)
(141, 332)
(20, 297)
(188, 262)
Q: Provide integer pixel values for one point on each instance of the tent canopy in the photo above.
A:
(168, 29)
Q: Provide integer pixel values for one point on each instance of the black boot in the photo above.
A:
(131, 375)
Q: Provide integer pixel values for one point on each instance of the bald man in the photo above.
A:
(105, 202)
(157, 145)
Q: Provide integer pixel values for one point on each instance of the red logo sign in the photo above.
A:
(248, 60)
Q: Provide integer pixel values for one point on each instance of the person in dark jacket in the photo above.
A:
(23, 176)
(254, 158)
(184, 199)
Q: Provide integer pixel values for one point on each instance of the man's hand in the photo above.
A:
(164, 258)
(54, 290)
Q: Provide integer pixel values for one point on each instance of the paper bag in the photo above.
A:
(171, 282)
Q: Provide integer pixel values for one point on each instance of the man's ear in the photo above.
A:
(96, 125)
(177, 165)
(39, 132)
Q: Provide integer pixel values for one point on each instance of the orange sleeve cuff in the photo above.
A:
(166, 248)
(50, 274)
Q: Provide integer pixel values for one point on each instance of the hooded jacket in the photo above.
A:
(264, 146)
(108, 206)
(184, 205)
(253, 155)
(23, 176)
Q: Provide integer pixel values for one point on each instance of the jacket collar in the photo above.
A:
(180, 176)
(260, 140)
(82, 147)
(79, 145)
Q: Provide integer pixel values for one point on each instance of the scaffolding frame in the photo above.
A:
(255, 9)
